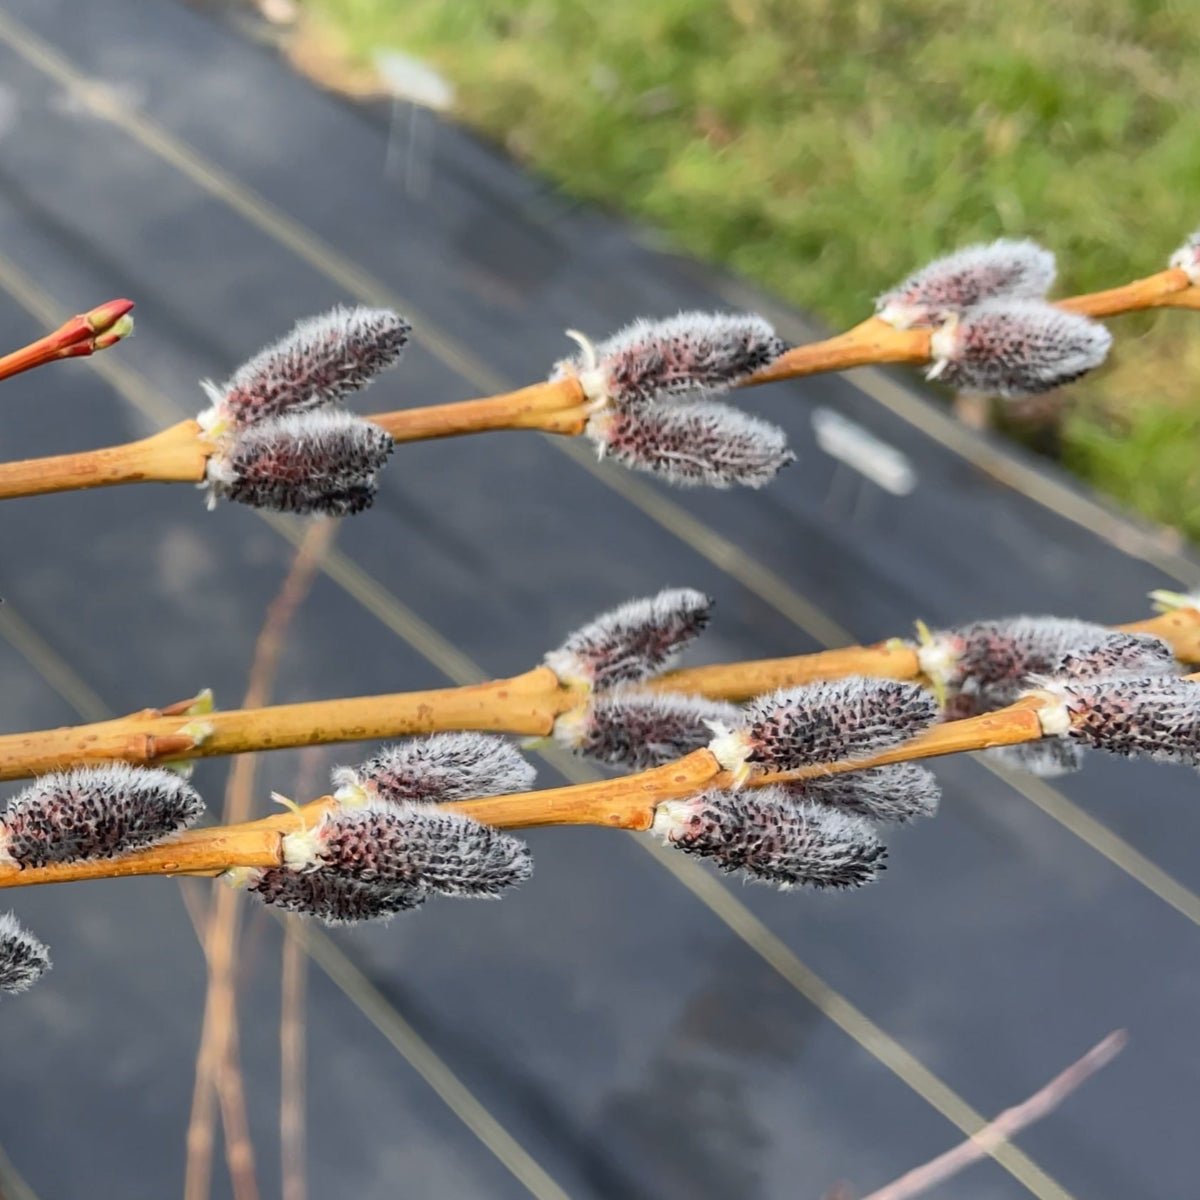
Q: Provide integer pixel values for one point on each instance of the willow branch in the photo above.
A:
(874, 342)
(554, 407)
(893, 659)
(1165, 289)
(180, 454)
(628, 802)
(526, 705)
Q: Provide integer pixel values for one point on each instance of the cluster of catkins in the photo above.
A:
(1115, 691)
(651, 387)
(382, 848)
(387, 846)
(391, 838)
(821, 832)
(995, 332)
(282, 440)
(1120, 691)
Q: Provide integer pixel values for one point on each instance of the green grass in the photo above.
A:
(824, 148)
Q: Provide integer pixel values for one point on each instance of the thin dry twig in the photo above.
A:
(217, 1071)
(292, 1058)
(292, 1025)
(988, 1139)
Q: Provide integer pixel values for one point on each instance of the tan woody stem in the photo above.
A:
(179, 455)
(872, 342)
(629, 802)
(176, 455)
(1180, 629)
(554, 407)
(525, 704)
(1167, 289)
(745, 680)
(625, 803)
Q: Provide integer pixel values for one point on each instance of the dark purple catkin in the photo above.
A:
(23, 958)
(331, 898)
(1016, 348)
(963, 279)
(322, 360)
(988, 663)
(638, 730)
(1117, 653)
(314, 462)
(95, 812)
(411, 846)
(436, 770)
(1155, 716)
(896, 794)
(634, 641)
(1187, 258)
(824, 723)
(767, 836)
(696, 444)
(691, 352)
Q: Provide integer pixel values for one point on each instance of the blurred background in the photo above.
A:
(824, 149)
(627, 1025)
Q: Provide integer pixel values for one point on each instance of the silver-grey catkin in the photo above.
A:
(325, 461)
(1154, 716)
(766, 835)
(700, 443)
(638, 730)
(989, 663)
(1049, 758)
(412, 846)
(634, 641)
(827, 722)
(23, 958)
(441, 768)
(1013, 348)
(895, 794)
(1117, 653)
(323, 360)
(331, 898)
(688, 353)
(95, 812)
(965, 278)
